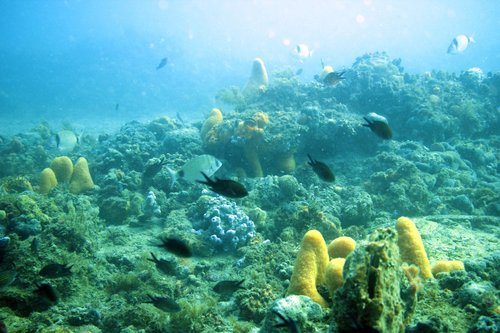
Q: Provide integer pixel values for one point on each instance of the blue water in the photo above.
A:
(76, 60)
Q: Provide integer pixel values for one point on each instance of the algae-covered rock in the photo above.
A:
(376, 295)
(297, 309)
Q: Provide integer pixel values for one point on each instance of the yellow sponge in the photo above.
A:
(447, 266)
(213, 119)
(63, 168)
(258, 80)
(81, 180)
(310, 267)
(341, 247)
(411, 247)
(333, 275)
(48, 180)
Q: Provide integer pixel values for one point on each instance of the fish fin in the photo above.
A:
(471, 39)
(173, 177)
(311, 159)
(208, 181)
(154, 259)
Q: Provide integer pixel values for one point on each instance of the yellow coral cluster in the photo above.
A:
(312, 267)
(81, 180)
(208, 130)
(258, 80)
(62, 171)
(341, 247)
(411, 247)
(442, 266)
(48, 180)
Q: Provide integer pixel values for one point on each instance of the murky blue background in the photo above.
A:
(75, 60)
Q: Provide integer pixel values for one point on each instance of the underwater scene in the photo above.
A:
(263, 166)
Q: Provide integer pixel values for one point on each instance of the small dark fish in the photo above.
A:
(7, 277)
(321, 169)
(333, 78)
(379, 125)
(176, 246)
(55, 270)
(180, 119)
(287, 322)
(165, 266)
(226, 187)
(47, 292)
(228, 286)
(117, 106)
(163, 63)
(166, 304)
(35, 245)
(299, 71)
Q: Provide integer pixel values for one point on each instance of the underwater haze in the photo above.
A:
(77, 60)
(249, 166)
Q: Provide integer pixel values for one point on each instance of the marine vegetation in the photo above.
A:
(250, 233)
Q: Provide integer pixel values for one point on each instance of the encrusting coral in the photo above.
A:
(309, 268)
(411, 247)
(63, 168)
(48, 180)
(81, 180)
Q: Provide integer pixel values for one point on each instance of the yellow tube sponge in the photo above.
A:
(411, 247)
(48, 180)
(310, 266)
(286, 162)
(341, 247)
(252, 157)
(213, 119)
(333, 276)
(258, 80)
(63, 168)
(81, 180)
(261, 119)
(447, 266)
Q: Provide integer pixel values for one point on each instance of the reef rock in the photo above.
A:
(376, 295)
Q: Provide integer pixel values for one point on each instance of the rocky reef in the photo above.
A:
(111, 233)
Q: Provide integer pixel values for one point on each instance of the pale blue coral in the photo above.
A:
(225, 225)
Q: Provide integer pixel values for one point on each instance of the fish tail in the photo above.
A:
(173, 177)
